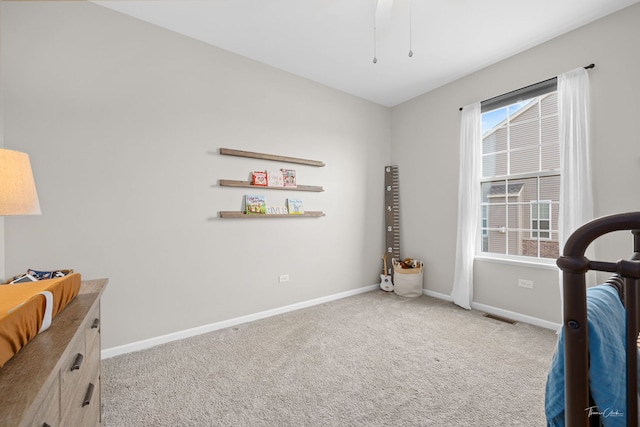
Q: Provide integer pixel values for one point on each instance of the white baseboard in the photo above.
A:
(500, 312)
(437, 295)
(516, 316)
(152, 342)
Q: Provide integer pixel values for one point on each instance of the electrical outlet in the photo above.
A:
(283, 278)
(525, 283)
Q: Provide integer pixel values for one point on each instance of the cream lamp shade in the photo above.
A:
(17, 188)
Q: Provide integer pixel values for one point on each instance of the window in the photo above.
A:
(485, 227)
(520, 183)
(541, 219)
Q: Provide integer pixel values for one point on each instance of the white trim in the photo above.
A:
(516, 316)
(175, 336)
(437, 295)
(500, 312)
(541, 263)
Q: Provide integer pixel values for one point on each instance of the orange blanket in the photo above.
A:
(26, 309)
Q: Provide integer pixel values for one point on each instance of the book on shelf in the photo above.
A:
(255, 204)
(295, 206)
(259, 178)
(275, 178)
(289, 176)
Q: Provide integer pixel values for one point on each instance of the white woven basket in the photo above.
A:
(407, 282)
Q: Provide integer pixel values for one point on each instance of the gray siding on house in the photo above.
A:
(524, 144)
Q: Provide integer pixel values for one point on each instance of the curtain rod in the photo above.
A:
(586, 67)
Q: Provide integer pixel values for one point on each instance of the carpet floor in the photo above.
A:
(374, 359)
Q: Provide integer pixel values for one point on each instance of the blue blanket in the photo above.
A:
(607, 362)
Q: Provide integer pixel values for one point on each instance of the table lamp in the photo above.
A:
(17, 188)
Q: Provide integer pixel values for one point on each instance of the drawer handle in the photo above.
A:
(87, 396)
(96, 323)
(78, 362)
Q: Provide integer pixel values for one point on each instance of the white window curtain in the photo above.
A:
(576, 196)
(468, 204)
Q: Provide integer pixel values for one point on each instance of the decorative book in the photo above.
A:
(255, 204)
(289, 176)
(295, 206)
(275, 178)
(259, 178)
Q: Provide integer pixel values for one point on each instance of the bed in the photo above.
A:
(27, 309)
(593, 379)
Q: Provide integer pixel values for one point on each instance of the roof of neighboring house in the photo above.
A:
(521, 111)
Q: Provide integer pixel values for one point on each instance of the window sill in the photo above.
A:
(545, 264)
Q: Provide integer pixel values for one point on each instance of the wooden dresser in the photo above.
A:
(55, 379)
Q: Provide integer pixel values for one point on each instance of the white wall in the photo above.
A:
(123, 122)
(425, 134)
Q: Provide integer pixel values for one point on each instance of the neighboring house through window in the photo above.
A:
(520, 183)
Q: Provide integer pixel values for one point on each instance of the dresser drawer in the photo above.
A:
(92, 327)
(85, 411)
(48, 413)
(72, 370)
(93, 362)
(92, 411)
(79, 385)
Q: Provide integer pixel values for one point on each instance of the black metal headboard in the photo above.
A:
(574, 266)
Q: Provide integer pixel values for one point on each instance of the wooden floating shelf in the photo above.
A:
(236, 214)
(274, 157)
(248, 184)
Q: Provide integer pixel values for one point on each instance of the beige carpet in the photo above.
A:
(375, 359)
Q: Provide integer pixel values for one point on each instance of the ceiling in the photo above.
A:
(332, 41)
